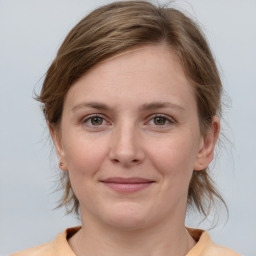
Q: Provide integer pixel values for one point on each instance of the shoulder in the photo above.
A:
(206, 247)
(58, 247)
(220, 250)
(45, 249)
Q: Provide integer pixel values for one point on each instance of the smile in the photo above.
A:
(127, 185)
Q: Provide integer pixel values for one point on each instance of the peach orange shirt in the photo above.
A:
(60, 247)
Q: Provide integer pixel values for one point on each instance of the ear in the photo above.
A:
(207, 145)
(56, 137)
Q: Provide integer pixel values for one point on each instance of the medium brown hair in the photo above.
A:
(114, 28)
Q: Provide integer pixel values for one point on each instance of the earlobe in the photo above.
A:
(207, 145)
(55, 135)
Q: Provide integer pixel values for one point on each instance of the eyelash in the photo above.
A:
(152, 117)
(87, 118)
(166, 118)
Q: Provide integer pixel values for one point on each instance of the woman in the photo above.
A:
(132, 103)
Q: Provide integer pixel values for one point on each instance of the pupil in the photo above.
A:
(159, 120)
(96, 120)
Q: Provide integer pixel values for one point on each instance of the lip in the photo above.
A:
(127, 185)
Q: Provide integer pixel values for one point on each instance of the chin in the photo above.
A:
(127, 223)
(127, 218)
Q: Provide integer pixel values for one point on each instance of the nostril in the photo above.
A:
(125, 162)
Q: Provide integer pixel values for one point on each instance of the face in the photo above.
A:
(130, 139)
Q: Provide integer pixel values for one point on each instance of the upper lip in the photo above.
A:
(121, 180)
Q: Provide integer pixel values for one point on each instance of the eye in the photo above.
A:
(95, 120)
(161, 120)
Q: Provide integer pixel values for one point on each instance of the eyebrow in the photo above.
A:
(96, 105)
(144, 107)
(156, 105)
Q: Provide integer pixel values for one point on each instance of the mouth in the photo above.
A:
(127, 185)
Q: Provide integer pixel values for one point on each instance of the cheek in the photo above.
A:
(84, 155)
(174, 159)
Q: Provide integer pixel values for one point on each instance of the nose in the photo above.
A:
(126, 147)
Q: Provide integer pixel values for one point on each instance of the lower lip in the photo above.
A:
(128, 187)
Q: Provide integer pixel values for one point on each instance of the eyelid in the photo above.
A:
(88, 117)
(168, 118)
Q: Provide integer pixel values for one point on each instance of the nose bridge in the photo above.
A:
(125, 144)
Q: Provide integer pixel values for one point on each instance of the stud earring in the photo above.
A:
(61, 164)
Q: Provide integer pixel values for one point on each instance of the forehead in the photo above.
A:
(143, 74)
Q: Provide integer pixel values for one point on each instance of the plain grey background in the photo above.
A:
(30, 34)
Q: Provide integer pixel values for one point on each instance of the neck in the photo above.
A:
(162, 239)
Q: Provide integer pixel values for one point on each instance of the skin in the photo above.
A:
(127, 140)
